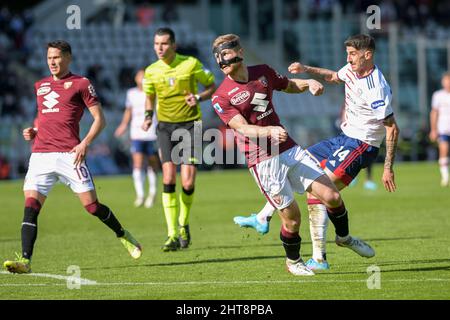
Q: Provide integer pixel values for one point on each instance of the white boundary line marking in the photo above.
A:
(81, 281)
(95, 283)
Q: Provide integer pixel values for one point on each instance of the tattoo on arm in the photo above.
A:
(324, 73)
(392, 133)
(391, 147)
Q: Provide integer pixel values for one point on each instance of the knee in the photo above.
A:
(291, 223)
(332, 199)
(93, 207)
(169, 178)
(188, 185)
(292, 226)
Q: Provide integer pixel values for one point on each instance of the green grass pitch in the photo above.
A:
(409, 230)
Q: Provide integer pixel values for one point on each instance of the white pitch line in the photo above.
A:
(81, 281)
(94, 283)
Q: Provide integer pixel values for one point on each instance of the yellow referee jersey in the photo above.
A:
(170, 84)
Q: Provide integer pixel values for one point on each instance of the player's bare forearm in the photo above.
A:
(326, 74)
(297, 86)
(392, 133)
(301, 85)
(124, 123)
(238, 123)
(208, 92)
(97, 126)
(150, 101)
(433, 125)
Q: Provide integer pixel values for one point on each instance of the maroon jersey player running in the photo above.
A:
(280, 167)
(58, 153)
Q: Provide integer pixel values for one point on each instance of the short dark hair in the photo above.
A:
(165, 31)
(62, 45)
(361, 41)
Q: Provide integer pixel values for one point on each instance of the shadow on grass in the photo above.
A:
(192, 262)
(278, 243)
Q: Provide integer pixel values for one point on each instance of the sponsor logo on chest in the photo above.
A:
(50, 100)
(240, 98)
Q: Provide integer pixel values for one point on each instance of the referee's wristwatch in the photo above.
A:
(198, 97)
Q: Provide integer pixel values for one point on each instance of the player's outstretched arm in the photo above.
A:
(326, 74)
(193, 99)
(301, 85)
(150, 102)
(124, 123)
(392, 133)
(96, 127)
(238, 123)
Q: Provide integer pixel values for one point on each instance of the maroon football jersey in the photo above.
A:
(60, 105)
(253, 100)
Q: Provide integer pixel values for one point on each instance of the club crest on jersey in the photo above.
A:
(43, 90)
(171, 82)
(67, 85)
(240, 98)
(263, 81)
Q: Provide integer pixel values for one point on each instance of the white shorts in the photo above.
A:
(46, 168)
(279, 177)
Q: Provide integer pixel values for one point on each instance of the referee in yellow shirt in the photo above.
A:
(172, 80)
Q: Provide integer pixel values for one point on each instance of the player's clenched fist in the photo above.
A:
(29, 133)
(315, 87)
(278, 134)
(296, 67)
(146, 124)
(190, 100)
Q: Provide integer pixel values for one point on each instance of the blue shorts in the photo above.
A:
(145, 147)
(444, 138)
(344, 156)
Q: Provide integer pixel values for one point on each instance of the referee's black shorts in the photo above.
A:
(181, 142)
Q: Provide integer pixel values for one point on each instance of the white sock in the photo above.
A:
(151, 174)
(443, 167)
(139, 180)
(266, 213)
(318, 223)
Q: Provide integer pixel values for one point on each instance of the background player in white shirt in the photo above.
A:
(143, 144)
(440, 124)
(368, 118)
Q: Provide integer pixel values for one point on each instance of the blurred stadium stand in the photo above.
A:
(413, 50)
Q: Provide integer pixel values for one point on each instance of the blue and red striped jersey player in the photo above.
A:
(58, 153)
(369, 118)
(279, 166)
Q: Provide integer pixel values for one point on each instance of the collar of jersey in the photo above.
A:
(371, 71)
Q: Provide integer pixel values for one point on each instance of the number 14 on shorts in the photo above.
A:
(342, 154)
